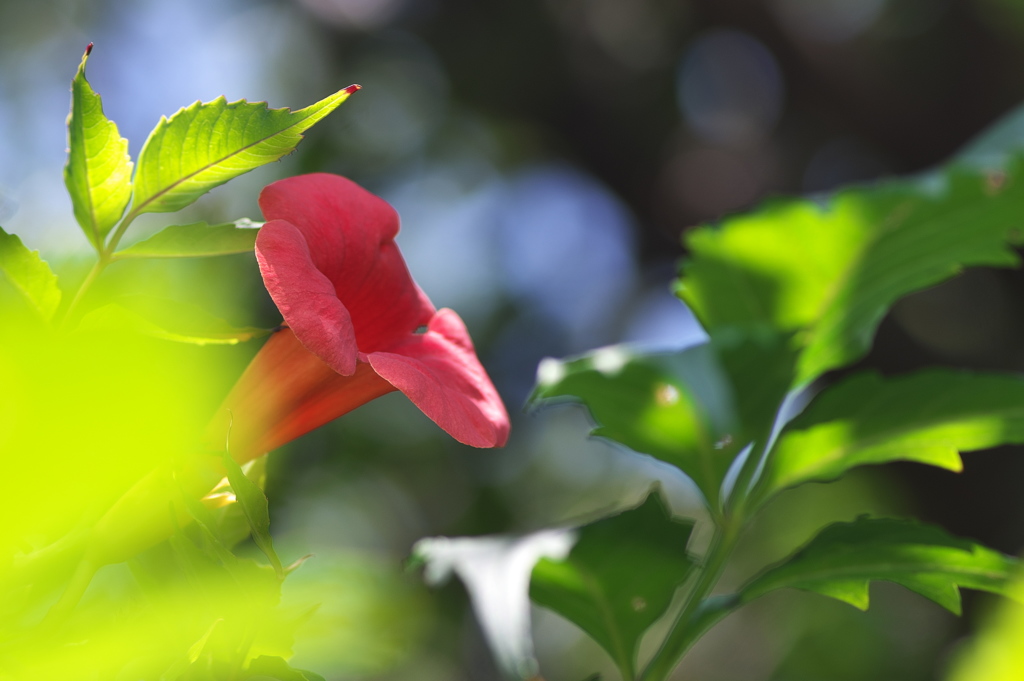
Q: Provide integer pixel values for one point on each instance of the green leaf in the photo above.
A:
(167, 319)
(29, 274)
(98, 174)
(845, 558)
(928, 417)
(619, 578)
(759, 363)
(675, 407)
(256, 509)
(197, 239)
(205, 145)
(829, 271)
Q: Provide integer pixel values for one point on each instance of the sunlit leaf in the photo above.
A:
(99, 171)
(205, 145)
(928, 417)
(196, 239)
(29, 274)
(619, 578)
(845, 558)
(167, 319)
(829, 271)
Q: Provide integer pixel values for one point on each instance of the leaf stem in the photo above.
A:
(86, 284)
(105, 258)
(728, 526)
(680, 637)
(118, 234)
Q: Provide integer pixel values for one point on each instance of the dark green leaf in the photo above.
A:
(205, 145)
(828, 272)
(760, 364)
(676, 407)
(928, 417)
(167, 319)
(193, 240)
(98, 173)
(29, 274)
(845, 558)
(619, 578)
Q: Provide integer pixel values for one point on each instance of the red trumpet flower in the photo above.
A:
(358, 327)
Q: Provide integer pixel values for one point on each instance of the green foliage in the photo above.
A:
(98, 172)
(29, 274)
(845, 557)
(788, 292)
(828, 272)
(111, 424)
(619, 578)
(674, 407)
(205, 145)
(759, 363)
(197, 239)
(929, 417)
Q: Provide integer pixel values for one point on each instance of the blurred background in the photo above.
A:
(546, 156)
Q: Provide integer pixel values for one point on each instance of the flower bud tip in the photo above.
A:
(88, 49)
(352, 88)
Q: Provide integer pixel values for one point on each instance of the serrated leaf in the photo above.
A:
(167, 319)
(205, 145)
(29, 274)
(619, 578)
(194, 240)
(845, 558)
(676, 407)
(829, 271)
(98, 173)
(928, 417)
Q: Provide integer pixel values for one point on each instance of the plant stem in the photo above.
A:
(728, 526)
(86, 284)
(105, 258)
(118, 234)
(680, 638)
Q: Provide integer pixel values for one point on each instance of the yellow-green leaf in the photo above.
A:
(205, 145)
(99, 170)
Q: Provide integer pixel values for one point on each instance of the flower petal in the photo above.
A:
(306, 297)
(440, 373)
(351, 234)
